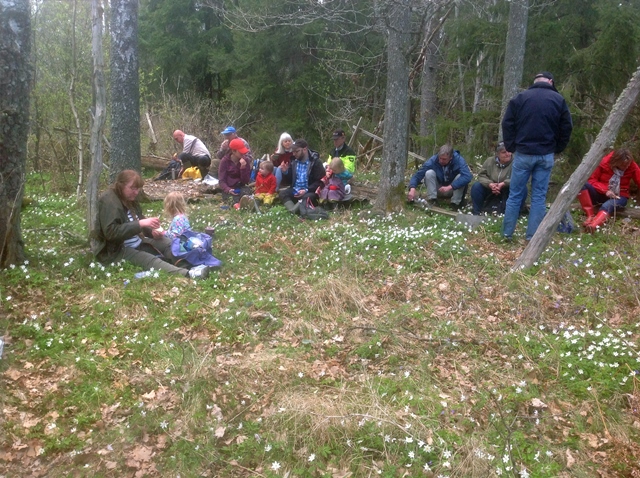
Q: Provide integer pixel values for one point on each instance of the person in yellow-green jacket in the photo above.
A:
(345, 153)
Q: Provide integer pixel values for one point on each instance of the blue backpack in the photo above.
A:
(195, 248)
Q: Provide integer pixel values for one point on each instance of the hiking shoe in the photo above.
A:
(456, 207)
(432, 202)
(199, 272)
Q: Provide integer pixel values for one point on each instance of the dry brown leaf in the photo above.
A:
(141, 453)
(570, 459)
(110, 465)
(219, 433)
(13, 374)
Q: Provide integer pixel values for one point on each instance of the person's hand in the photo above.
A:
(329, 172)
(157, 233)
(611, 195)
(284, 167)
(445, 189)
(243, 163)
(233, 192)
(301, 192)
(225, 144)
(411, 195)
(152, 222)
(175, 156)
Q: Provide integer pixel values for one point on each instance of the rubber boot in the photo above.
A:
(598, 221)
(292, 208)
(587, 206)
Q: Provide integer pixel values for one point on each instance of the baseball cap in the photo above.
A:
(228, 130)
(544, 74)
(339, 133)
(238, 145)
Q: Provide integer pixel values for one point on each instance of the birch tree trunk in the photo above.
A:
(99, 116)
(391, 190)
(606, 137)
(125, 94)
(72, 100)
(428, 100)
(15, 81)
(514, 52)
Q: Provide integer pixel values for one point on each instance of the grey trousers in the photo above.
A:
(432, 184)
(145, 256)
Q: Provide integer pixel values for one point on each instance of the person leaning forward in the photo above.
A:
(193, 151)
(445, 174)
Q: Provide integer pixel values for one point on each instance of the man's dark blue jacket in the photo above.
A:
(537, 121)
(458, 166)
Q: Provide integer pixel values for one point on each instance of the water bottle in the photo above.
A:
(1, 346)
(142, 275)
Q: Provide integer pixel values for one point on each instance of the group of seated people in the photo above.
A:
(447, 175)
(294, 172)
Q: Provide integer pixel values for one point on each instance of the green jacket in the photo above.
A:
(114, 228)
(492, 173)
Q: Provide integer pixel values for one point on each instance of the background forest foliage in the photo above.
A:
(309, 67)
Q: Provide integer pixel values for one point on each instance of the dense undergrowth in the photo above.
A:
(360, 346)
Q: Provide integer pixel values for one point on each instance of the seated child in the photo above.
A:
(334, 182)
(339, 169)
(265, 183)
(175, 207)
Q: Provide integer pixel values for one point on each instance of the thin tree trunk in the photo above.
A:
(15, 82)
(428, 100)
(99, 117)
(396, 112)
(72, 101)
(514, 52)
(606, 137)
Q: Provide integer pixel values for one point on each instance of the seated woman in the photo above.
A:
(234, 172)
(283, 154)
(608, 187)
(125, 234)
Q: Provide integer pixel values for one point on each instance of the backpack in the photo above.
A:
(194, 248)
(192, 173)
(168, 172)
(311, 212)
(566, 225)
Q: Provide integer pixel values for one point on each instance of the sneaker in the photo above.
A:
(199, 272)
(347, 189)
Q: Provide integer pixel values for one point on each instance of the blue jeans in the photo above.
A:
(609, 205)
(525, 166)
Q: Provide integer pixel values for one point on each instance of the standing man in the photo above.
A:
(194, 151)
(229, 134)
(445, 174)
(305, 173)
(536, 125)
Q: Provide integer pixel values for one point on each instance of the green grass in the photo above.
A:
(387, 346)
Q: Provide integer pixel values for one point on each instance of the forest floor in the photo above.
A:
(359, 346)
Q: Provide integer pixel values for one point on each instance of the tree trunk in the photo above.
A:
(428, 99)
(606, 137)
(99, 106)
(514, 52)
(72, 100)
(15, 81)
(396, 112)
(125, 94)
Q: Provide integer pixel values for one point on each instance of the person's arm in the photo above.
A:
(483, 175)
(598, 179)
(509, 127)
(317, 173)
(565, 129)
(223, 172)
(271, 184)
(245, 171)
(224, 149)
(463, 170)
(418, 176)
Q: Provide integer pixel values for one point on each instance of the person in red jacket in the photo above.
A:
(608, 187)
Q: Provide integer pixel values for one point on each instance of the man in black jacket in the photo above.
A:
(536, 125)
(305, 173)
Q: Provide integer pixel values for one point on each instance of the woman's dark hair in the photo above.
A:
(122, 179)
(619, 157)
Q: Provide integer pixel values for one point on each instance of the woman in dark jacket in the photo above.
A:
(125, 234)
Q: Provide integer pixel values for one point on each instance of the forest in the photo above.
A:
(307, 67)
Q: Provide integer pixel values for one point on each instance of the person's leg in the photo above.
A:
(517, 193)
(213, 167)
(458, 194)
(148, 261)
(431, 183)
(611, 205)
(204, 162)
(278, 174)
(479, 195)
(540, 175)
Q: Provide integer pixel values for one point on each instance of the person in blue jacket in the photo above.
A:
(445, 174)
(536, 125)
